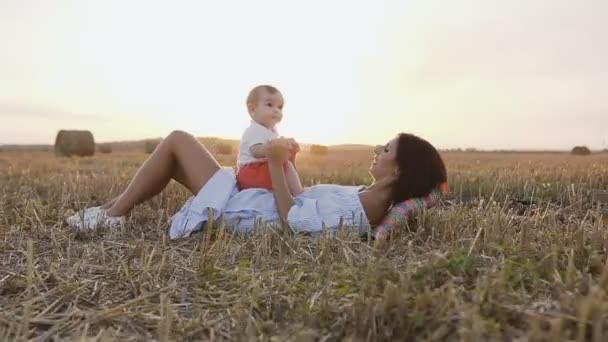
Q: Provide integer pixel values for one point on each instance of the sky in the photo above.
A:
(462, 73)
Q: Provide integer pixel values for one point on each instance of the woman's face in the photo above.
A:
(384, 164)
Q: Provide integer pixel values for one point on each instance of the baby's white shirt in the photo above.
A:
(254, 134)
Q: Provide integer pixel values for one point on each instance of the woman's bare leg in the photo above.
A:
(110, 203)
(179, 156)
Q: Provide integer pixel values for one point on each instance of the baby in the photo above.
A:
(265, 106)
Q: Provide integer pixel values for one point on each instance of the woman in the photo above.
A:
(406, 167)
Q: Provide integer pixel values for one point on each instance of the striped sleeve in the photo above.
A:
(399, 213)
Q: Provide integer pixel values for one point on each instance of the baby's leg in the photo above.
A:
(293, 180)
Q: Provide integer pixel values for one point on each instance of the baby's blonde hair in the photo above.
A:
(253, 94)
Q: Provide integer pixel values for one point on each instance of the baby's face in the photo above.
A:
(268, 109)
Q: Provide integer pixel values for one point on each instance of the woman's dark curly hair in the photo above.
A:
(420, 166)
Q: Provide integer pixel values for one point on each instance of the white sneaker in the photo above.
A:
(95, 218)
(81, 215)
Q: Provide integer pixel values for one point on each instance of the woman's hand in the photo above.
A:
(294, 149)
(279, 150)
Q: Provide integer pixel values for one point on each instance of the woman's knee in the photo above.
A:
(182, 142)
(179, 137)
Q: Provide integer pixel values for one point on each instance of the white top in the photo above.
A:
(254, 134)
(321, 206)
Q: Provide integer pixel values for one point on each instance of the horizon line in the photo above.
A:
(452, 149)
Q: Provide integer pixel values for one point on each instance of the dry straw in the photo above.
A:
(516, 253)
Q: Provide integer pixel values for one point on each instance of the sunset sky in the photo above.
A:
(464, 73)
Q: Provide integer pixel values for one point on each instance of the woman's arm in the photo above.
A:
(293, 180)
(278, 152)
(282, 196)
(294, 149)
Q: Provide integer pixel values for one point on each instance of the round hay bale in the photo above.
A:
(104, 148)
(150, 145)
(581, 151)
(319, 150)
(74, 143)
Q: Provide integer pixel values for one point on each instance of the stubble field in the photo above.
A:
(517, 252)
